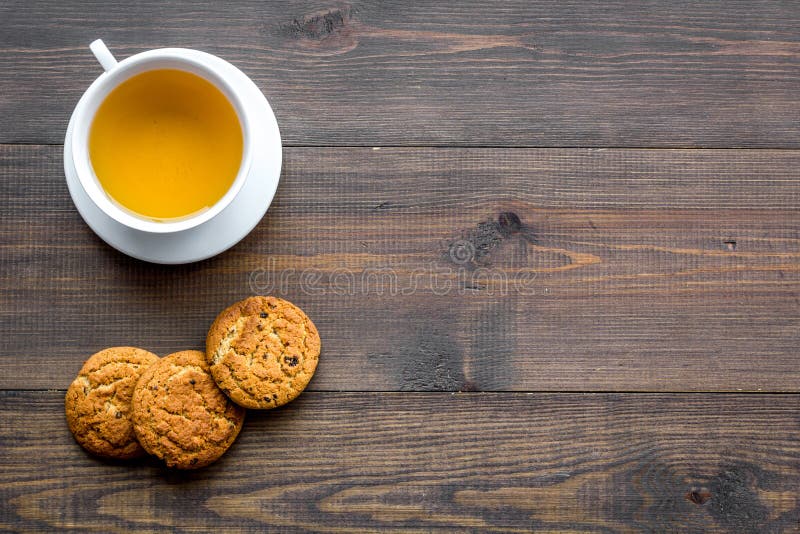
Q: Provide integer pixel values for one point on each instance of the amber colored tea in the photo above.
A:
(166, 144)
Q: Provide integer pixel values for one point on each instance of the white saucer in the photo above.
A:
(231, 224)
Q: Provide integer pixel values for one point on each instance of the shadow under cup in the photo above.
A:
(96, 95)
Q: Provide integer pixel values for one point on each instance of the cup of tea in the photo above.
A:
(161, 142)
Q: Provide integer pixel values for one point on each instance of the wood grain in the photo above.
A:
(521, 73)
(628, 288)
(585, 270)
(406, 462)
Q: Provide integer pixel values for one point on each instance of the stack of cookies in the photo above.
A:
(188, 407)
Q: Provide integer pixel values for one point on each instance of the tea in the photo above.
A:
(166, 144)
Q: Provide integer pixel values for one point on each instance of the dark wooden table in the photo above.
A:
(552, 249)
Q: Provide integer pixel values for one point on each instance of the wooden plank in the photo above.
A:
(525, 73)
(406, 462)
(628, 270)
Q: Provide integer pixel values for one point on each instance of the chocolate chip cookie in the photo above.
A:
(98, 402)
(262, 351)
(180, 415)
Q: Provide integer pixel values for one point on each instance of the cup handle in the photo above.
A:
(103, 54)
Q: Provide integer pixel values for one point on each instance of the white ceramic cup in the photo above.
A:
(116, 73)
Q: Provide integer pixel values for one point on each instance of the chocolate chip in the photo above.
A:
(194, 461)
(275, 396)
(154, 388)
(119, 415)
(291, 360)
(192, 382)
(263, 315)
(267, 399)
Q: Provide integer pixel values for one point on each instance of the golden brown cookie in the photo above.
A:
(179, 413)
(262, 351)
(98, 402)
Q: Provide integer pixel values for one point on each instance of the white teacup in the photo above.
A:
(116, 73)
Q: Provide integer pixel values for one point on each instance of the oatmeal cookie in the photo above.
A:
(98, 402)
(180, 415)
(262, 351)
